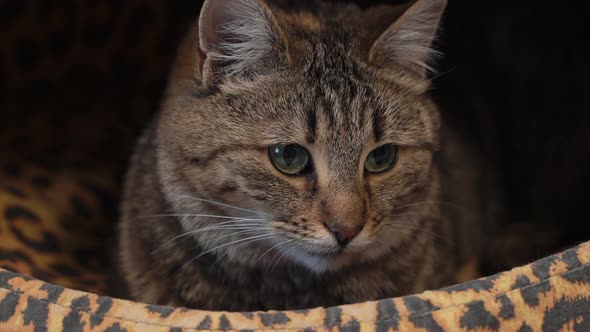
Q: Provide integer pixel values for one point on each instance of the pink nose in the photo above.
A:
(343, 235)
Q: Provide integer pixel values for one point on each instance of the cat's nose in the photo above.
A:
(343, 235)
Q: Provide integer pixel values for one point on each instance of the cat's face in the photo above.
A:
(326, 160)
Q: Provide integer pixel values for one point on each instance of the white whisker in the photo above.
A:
(198, 215)
(230, 225)
(234, 242)
(282, 255)
(218, 203)
(271, 248)
(251, 239)
(241, 231)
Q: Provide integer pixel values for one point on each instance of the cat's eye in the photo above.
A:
(381, 159)
(290, 159)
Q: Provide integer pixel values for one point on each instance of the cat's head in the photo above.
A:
(311, 132)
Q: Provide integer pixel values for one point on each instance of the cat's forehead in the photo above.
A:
(347, 97)
(331, 98)
(342, 102)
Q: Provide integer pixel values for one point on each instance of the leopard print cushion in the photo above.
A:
(549, 295)
(53, 224)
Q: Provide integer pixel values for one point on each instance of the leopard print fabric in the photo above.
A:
(54, 223)
(549, 295)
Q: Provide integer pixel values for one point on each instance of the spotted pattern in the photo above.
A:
(56, 232)
(559, 284)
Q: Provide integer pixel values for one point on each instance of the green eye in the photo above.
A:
(381, 159)
(290, 159)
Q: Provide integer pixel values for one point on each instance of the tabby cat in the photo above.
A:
(298, 161)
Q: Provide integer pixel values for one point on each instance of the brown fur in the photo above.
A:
(338, 87)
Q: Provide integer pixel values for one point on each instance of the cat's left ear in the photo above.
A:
(239, 38)
(405, 47)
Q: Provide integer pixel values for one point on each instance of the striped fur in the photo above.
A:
(336, 80)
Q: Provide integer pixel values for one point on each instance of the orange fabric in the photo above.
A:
(550, 294)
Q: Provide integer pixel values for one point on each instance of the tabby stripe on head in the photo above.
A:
(311, 125)
(377, 123)
(328, 110)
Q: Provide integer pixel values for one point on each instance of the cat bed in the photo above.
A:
(53, 226)
(55, 218)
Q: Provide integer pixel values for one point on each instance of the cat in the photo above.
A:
(298, 161)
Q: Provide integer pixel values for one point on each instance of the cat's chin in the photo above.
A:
(334, 261)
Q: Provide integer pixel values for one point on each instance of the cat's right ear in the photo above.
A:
(239, 38)
(405, 47)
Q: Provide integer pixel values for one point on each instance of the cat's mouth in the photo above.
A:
(334, 252)
(331, 253)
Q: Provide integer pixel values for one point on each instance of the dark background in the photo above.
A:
(79, 79)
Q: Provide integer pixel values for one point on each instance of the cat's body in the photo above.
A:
(208, 222)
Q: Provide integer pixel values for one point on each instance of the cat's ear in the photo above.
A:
(239, 38)
(405, 47)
